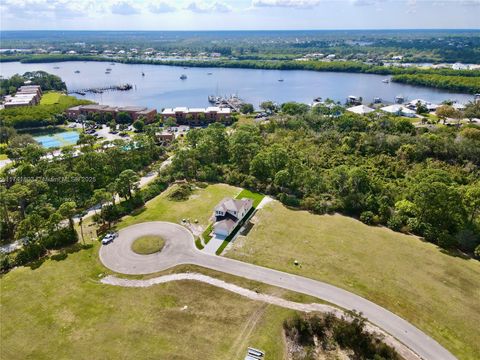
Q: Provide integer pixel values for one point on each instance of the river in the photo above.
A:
(162, 87)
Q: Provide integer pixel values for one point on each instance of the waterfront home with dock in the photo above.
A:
(135, 112)
(197, 116)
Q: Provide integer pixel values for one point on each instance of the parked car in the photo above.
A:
(109, 238)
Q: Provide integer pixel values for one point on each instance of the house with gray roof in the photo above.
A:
(228, 214)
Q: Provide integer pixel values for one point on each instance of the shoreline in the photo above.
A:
(462, 81)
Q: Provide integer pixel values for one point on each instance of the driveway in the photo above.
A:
(180, 249)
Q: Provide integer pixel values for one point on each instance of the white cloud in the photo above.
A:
(200, 7)
(123, 8)
(302, 4)
(160, 7)
(53, 8)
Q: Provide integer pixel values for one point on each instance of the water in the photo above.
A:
(58, 139)
(161, 86)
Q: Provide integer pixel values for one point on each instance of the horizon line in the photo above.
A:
(219, 30)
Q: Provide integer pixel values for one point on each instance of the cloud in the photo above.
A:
(200, 7)
(364, 2)
(123, 8)
(160, 7)
(301, 4)
(54, 8)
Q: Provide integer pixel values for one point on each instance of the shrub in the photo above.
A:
(367, 217)
(30, 252)
(60, 238)
(180, 193)
(395, 222)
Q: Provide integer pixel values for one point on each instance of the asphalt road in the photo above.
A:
(180, 249)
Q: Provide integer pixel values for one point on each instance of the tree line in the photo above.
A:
(45, 80)
(40, 195)
(378, 168)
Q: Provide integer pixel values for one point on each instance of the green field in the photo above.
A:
(50, 98)
(437, 292)
(61, 308)
(85, 319)
(198, 207)
(148, 244)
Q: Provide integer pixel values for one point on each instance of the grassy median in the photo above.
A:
(148, 244)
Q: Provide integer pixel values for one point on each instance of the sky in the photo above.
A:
(238, 14)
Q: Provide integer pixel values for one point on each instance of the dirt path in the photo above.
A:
(403, 350)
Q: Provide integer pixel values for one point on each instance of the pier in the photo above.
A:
(100, 90)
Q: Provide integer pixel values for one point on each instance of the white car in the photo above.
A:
(109, 238)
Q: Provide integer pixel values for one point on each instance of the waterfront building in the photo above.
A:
(135, 112)
(197, 116)
(27, 95)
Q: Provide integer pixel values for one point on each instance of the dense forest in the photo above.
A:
(378, 168)
(45, 80)
(414, 45)
(39, 195)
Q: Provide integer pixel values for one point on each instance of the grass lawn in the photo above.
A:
(148, 244)
(52, 97)
(252, 195)
(199, 206)
(85, 319)
(436, 292)
(61, 308)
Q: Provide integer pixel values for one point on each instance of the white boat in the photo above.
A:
(386, 81)
(183, 77)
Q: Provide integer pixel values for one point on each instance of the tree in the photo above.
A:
(294, 108)
(6, 133)
(472, 110)
(247, 108)
(112, 125)
(139, 125)
(268, 106)
(67, 210)
(127, 183)
(446, 111)
(421, 108)
(124, 118)
(170, 121)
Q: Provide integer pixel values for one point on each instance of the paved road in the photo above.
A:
(180, 249)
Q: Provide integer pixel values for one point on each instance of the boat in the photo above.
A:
(56, 67)
(209, 73)
(212, 99)
(107, 72)
(281, 80)
(183, 77)
(112, 63)
(108, 69)
(77, 71)
(386, 81)
(185, 67)
(143, 74)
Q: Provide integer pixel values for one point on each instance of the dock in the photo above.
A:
(100, 90)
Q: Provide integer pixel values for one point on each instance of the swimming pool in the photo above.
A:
(58, 139)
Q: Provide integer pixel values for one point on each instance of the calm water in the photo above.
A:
(161, 86)
(58, 139)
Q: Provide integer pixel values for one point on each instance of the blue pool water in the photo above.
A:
(58, 139)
